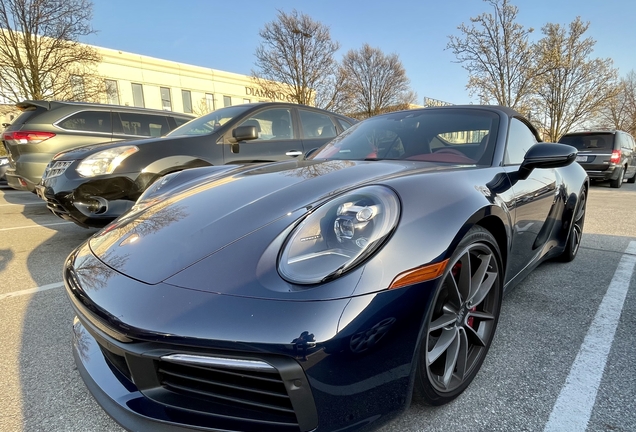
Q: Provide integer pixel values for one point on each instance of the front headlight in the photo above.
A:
(339, 235)
(104, 162)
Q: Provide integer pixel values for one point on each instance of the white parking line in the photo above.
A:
(31, 290)
(573, 407)
(35, 226)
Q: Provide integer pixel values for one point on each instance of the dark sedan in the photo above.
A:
(93, 185)
(322, 294)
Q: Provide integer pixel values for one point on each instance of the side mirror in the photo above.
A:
(310, 152)
(546, 155)
(244, 133)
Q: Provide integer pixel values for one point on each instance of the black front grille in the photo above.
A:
(259, 397)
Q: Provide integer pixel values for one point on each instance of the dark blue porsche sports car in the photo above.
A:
(321, 294)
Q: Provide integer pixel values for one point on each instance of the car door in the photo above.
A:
(277, 140)
(534, 199)
(627, 148)
(316, 128)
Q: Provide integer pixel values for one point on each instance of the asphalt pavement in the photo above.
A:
(541, 353)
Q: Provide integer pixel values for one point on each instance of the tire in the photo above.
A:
(576, 229)
(619, 181)
(632, 179)
(462, 320)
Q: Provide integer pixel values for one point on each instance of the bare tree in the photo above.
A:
(375, 82)
(296, 58)
(574, 87)
(40, 56)
(620, 111)
(496, 52)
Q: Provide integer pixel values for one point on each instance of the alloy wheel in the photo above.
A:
(464, 318)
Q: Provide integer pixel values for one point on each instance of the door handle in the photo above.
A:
(294, 153)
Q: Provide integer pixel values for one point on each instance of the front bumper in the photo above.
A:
(344, 364)
(91, 202)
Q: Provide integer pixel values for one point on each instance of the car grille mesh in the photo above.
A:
(260, 396)
(56, 168)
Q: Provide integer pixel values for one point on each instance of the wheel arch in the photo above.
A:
(494, 219)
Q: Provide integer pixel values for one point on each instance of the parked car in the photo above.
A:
(316, 295)
(46, 128)
(93, 185)
(605, 155)
(4, 165)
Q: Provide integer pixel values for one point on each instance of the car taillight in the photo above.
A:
(616, 156)
(26, 137)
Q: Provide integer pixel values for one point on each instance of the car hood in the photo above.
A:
(79, 153)
(217, 211)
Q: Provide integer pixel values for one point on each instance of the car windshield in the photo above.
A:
(589, 141)
(458, 136)
(208, 123)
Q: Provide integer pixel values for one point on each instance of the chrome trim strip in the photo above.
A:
(316, 255)
(240, 364)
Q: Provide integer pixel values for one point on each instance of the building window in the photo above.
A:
(138, 95)
(209, 101)
(166, 101)
(246, 101)
(77, 87)
(227, 101)
(112, 94)
(187, 101)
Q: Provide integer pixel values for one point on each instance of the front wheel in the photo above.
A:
(462, 319)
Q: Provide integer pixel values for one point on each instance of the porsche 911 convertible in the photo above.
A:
(322, 294)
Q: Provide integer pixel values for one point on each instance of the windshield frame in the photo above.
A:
(209, 123)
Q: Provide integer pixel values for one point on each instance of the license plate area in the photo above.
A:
(581, 158)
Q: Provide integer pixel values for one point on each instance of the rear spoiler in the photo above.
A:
(29, 105)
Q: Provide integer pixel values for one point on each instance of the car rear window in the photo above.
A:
(589, 141)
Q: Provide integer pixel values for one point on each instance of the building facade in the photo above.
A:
(142, 81)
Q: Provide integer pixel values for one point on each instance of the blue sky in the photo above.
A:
(224, 34)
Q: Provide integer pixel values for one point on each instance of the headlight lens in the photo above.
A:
(104, 162)
(339, 235)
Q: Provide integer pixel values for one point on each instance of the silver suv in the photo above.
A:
(46, 128)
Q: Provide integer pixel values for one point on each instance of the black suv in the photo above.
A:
(46, 128)
(605, 155)
(93, 185)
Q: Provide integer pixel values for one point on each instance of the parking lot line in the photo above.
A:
(574, 405)
(35, 226)
(31, 290)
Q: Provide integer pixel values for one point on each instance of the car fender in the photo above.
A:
(433, 223)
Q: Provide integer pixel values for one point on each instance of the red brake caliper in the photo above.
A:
(470, 320)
